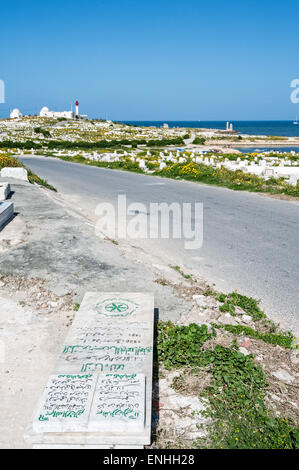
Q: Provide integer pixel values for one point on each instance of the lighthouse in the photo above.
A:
(77, 109)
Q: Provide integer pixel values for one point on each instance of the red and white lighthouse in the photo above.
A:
(77, 109)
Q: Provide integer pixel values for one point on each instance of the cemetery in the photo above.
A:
(276, 172)
(204, 155)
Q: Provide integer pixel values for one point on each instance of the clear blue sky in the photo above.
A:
(151, 60)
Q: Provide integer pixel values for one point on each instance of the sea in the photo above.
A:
(270, 128)
(277, 128)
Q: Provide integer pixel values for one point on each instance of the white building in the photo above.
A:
(45, 112)
(16, 113)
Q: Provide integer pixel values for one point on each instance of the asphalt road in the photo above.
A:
(250, 242)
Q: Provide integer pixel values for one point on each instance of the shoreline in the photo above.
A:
(276, 144)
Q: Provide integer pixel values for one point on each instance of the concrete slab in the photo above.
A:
(111, 335)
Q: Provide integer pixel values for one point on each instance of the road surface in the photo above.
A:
(250, 242)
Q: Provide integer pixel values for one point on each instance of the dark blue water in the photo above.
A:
(279, 128)
(269, 149)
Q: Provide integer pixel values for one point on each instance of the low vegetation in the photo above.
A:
(235, 394)
(197, 172)
(248, 304)
(237, 180)
(232, 385)
(265, 330)
(44, 132)
(81, 145)
(283, 340)
(199, 141)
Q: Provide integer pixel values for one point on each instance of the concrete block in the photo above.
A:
(4, 191)
(6, 213)
(18, 173)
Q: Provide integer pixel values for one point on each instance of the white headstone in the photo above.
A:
(65, 404)
(112, 337)
(11, 172)
(4, 190)
(293, 180)
(119, 403)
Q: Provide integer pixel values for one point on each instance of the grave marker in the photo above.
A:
(119, 402)
(12, 172)
(65, 404)
(4, 191)
(111, 339)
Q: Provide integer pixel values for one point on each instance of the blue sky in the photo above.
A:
(151, 60)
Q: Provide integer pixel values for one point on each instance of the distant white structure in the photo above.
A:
(16, 113)
(45, 112)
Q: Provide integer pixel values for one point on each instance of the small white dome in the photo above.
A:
(16, 113)
(44, 109)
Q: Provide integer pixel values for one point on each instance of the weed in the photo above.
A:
(162, 281)
(179, 270)
(248, 304)
(180, 345)
(282, 339)
(235, 393)
(241, 419)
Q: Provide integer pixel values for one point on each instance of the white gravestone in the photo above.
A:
(66, 403)
(18, 173)
(4, 191)
(111, 336)
(119, 402)
(102, 349)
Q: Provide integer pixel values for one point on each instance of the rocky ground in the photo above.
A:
(49, 257)
(177, 410)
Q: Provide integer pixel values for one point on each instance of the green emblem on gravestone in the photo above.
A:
(116, 307)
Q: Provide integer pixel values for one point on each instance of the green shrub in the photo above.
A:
(199, 141)
(284, 340)
(180, 345)
(235, 394)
